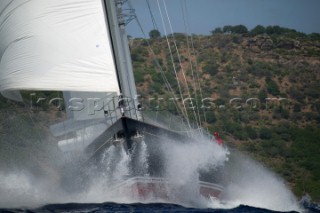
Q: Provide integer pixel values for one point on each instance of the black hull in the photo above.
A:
(126, 128)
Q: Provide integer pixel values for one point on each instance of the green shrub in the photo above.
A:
(265, 133)
(272, 87)
(251, 132)
(138, 76)
(210, 68)
(211, 117)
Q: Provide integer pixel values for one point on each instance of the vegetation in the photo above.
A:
(274, 74)
(154, 34)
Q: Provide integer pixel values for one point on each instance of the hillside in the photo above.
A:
(264, 90)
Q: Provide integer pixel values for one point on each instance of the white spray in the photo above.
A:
(246, 182)
(183, 164)
(249, 183)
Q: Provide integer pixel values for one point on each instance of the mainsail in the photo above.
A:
(60, 45)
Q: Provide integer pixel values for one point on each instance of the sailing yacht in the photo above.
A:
(80, 47)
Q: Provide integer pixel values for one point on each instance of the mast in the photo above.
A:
(122, 56)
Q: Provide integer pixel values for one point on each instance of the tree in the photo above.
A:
(274, 30)
(258, 30)
(217, 30)
(154, 34)
(227, 29)
(314, 36)
(239, 29)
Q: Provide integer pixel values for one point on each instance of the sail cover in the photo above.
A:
(55, 45)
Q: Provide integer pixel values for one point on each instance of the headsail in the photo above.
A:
(55, 45)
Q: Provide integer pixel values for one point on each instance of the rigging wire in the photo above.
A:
(167, 84)
(196, 79)
(174, 67)
(152, 17)
(187, 29)
(182, 69)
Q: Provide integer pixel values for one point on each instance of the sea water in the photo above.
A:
(137, 207)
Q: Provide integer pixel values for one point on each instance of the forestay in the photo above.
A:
(61, 45)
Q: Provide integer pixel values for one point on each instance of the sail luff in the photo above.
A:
(55, 45)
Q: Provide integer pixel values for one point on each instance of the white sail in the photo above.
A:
(61, 45)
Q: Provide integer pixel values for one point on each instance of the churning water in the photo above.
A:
(245, 181)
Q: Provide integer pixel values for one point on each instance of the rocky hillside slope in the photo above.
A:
(264, 93)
